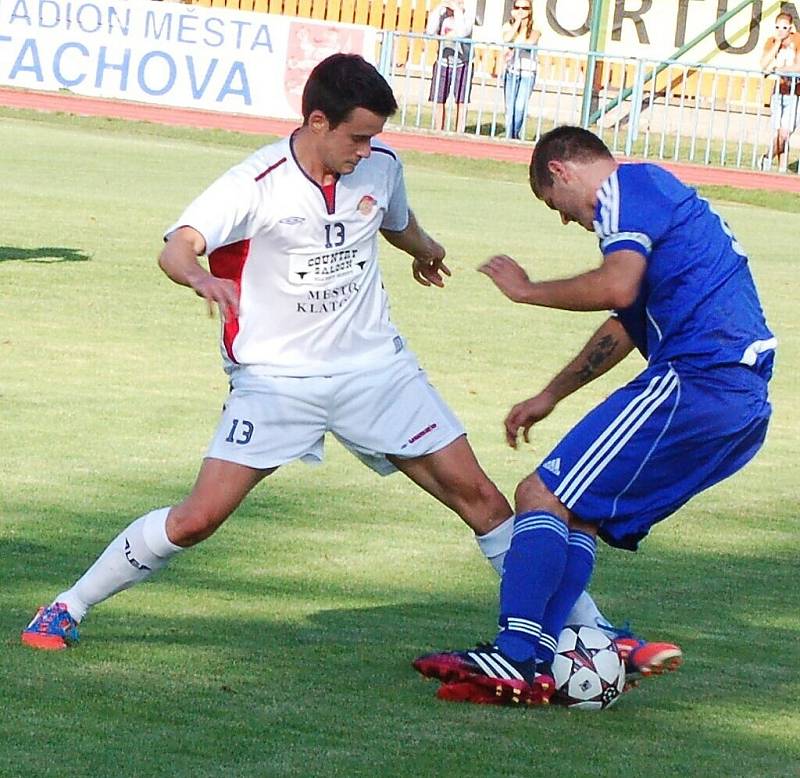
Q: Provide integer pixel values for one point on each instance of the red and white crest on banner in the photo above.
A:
(308, 45)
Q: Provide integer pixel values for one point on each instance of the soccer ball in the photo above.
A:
(588, 670)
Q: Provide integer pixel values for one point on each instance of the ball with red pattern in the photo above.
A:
(588, 670)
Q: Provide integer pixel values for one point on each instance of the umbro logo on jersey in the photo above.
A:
(553, 465)
(293, 220)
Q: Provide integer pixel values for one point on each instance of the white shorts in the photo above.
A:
(391, 408)
(785, 114)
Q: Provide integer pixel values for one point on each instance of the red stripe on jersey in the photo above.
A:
(228, 262)
(270, 168)
(329, 193)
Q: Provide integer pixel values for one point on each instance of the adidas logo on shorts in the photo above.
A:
(553, 465)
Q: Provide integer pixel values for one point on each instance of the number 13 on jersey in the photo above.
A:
(334, 235)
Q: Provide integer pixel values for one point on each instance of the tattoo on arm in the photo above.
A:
(596, 358)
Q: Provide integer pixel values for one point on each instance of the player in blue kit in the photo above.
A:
(680, 291)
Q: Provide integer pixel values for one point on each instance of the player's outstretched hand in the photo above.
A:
(508, 277)
(429, 268)
(525, 414)
(221, 291)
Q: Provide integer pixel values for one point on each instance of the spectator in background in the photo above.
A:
(450, 75)
(782, 55)
(520, 65)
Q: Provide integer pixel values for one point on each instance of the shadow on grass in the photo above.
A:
(204, 663)
(241, 669)
(42, 255)
(726, 604)
(334, 694)
(686, 590)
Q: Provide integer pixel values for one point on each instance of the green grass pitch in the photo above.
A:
(281, 647)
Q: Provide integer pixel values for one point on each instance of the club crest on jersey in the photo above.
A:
(366, 205)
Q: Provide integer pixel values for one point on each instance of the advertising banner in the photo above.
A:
(170, 54)
(656, 29)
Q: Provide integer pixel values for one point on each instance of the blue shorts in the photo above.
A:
(655, 443)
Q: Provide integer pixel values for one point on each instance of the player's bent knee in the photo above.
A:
(189, 527)
(583, 526)
(531, 494)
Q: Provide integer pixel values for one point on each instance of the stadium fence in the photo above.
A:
(651, 109)
(667, 110)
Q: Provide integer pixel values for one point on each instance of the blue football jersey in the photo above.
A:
(698, 303)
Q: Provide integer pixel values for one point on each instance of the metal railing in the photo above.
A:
(643, 108)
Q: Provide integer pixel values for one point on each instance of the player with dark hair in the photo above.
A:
(343, 82)
(563, 143)
(681, 293)
(291, 236)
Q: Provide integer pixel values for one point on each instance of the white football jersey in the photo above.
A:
(305, 260)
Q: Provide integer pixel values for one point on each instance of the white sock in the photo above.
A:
(586, 612)
(495, 543)
(494, 546)
(138, 551)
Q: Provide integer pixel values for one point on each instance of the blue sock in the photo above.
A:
(577, 573)
(533, 569)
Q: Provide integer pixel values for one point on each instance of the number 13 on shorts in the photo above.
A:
(241, 432)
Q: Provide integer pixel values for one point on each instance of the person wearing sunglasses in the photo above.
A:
(782, 56)
(520, 65)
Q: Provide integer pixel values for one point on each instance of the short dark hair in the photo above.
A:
(343, 82)
(565, 144)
